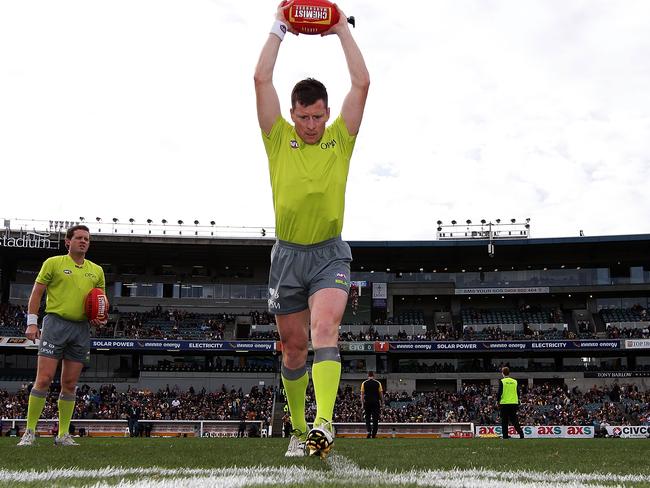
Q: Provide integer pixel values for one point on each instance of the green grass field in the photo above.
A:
(356, 462)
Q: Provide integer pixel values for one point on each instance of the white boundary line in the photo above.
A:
(341, 470)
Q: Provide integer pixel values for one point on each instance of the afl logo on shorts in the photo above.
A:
(293, 143)
(273, 297)
(67, 271)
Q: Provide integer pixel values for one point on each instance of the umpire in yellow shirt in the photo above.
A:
(309, 278)
(65, 331)
(508, 403)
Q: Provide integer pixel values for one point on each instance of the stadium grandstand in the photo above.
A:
(190, 340)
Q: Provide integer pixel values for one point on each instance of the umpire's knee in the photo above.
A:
(294, 354)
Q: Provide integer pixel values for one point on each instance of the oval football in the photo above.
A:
(311, 17)
(96, 305)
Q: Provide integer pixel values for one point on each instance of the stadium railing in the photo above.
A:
(160, 428)
(230, 428)
(628, 325)
(417, 429)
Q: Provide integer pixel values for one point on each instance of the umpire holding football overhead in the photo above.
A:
(309, 279)
(65, 333)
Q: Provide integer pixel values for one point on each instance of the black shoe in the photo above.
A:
(521, 436)
(368, 436)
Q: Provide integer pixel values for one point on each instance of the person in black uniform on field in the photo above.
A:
(133, 414)
(508, 403)
(371, 398)
(242, 426)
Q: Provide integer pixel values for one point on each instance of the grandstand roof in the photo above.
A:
(455, 254)
(594, 251)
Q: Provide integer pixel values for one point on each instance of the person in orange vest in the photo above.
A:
(508, 403)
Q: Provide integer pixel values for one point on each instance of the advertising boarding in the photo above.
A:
(539, 431)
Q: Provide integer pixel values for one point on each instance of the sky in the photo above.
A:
(478, 109)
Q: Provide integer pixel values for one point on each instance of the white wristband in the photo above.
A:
(279, 29)
(32, 319)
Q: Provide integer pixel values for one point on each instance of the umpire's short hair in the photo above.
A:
(307, 92)
(70, 232)
(506, 371)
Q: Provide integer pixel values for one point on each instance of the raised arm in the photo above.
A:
(355, 100)
(268, 104)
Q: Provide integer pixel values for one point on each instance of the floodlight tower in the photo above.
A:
(486, 230)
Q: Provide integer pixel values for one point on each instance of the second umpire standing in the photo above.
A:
(371, 398)
(508, 403)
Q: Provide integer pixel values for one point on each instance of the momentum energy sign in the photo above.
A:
(29, 239)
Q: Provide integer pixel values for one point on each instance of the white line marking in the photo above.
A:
(342, 470)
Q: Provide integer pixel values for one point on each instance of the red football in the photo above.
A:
(96, 305)
(311, 16)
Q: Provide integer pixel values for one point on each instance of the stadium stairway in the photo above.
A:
(599, 323)
(229, 333)
(278, 413)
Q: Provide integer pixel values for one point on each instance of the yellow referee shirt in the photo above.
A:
(308, 181)
(68, 284)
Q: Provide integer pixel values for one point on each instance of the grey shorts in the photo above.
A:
(297, 272)
(65, 339)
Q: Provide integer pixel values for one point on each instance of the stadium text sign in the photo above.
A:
(629, 431)
(501, 291)
(28, 240)
(148, 345)
(362, 346)
(16, 342)
(357, 346)
(502, 346)
(540, 431)
(637, 344)
(617, 374)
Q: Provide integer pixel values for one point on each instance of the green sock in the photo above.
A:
(295, 385)
(326, 374)
(35, 408)
(66, 408)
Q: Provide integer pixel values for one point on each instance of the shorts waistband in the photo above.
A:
(309, 247)
(58, 317)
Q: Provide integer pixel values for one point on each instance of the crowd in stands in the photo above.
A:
(614, 332)
(270, 335)
(478, 365)
(173, 324)
(147, 325)
(541, 405)
(106, 403)
(216, 364)
(371, 334)
(495, 333)
(261, 318)
(544, 404)
(12, 317)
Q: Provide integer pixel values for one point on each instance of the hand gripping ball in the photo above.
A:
(312, 16)
(96, 305)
